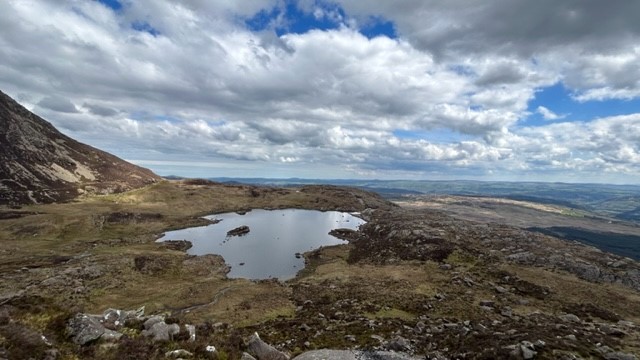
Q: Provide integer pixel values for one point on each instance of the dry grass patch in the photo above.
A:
(567, 289)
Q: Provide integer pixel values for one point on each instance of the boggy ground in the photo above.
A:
(416, 281)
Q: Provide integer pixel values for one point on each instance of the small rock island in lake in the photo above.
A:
(239, 231)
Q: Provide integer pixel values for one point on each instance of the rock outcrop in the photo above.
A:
(84, 329)
(353, 355)
(393, 236)
(38, 164)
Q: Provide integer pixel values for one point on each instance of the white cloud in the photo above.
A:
(207, 89)
(591, 44)
(58, 104)
(548, 114)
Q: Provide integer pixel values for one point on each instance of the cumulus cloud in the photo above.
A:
(507, 26)
(100, 110)
(501, 72)
(594, 44)
(58, 104)
(548, 114)
(195, 83)
(608, 145)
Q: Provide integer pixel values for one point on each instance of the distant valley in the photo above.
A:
(620, 202)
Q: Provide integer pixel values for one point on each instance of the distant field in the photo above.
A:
(621, 244)
(614, 201)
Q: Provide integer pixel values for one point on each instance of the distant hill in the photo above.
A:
(614, 201)
(38, 164)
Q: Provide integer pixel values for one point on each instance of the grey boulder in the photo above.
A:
(264, 351)
(84, 329)
(353, 355)
(161, 331)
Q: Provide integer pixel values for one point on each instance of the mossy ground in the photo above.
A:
(100, 252)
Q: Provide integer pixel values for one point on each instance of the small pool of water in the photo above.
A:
(269, 249)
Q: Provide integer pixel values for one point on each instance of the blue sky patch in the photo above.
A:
(377, 26)
(558, 99)
(295, 20)
(462, 70)
(167, 118)
(291, 19)
(145, 116)
(262, 20)
(136, 25)
(114, 4)
(408, 134)
(145, 27)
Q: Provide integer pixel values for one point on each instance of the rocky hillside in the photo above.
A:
(38, 164)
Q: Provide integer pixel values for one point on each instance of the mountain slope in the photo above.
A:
(38, 164)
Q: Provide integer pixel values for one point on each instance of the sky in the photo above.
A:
(514, 90)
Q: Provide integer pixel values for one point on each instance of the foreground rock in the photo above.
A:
(344, 234)
(264, 351)
(84, 329)
(353, 355)
(158, 330)
(178, 354)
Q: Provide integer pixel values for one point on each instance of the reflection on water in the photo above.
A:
(269, 249)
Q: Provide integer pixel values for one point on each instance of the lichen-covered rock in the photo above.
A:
(177, 354)
(161, 331)
(619, 356)
(264, 351)
(83, 329)
(148, 324)
(118, 318)
(191, 329)
(353, 355)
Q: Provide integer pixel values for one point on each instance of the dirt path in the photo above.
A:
(216, 298)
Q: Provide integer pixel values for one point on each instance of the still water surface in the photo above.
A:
(269, 249)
